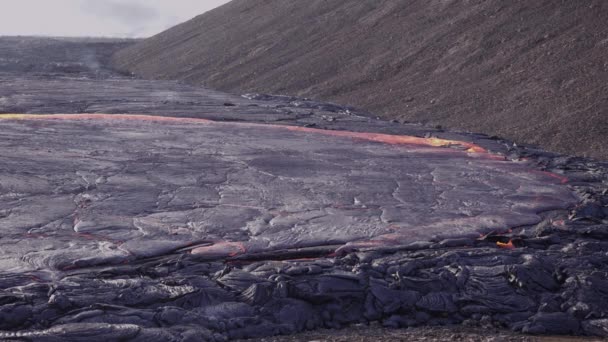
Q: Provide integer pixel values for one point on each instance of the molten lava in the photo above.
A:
(377, 137)
(508, 245)
(393, 139)
(224, 249)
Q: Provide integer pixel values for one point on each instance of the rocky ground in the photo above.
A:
(218, 216)
(531, 71)
(373, 332)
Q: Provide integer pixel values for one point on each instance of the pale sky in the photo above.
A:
(107, 18)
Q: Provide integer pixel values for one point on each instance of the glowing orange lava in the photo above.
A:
(376, 137)
(508, 245)
(231, 249)
(393, 139)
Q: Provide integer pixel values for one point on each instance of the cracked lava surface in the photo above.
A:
(133, 187)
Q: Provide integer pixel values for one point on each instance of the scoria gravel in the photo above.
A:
(191, 214)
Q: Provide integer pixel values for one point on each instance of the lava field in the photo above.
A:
(152, 210)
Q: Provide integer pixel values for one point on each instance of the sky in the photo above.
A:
(97, 18)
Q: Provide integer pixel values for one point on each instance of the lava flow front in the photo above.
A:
(158, 184)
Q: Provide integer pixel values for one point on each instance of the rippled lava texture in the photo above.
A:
(109, 191)
(284, 217)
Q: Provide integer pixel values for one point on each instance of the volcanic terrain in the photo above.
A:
(134, 209)
(532, 71)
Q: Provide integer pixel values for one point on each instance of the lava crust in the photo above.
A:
(124, 188)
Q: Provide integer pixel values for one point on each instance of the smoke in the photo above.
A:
(138, 17)
(109, 18)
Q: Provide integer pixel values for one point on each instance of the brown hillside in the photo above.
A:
(535, 71)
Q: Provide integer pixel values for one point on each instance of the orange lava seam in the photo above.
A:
(377, 137)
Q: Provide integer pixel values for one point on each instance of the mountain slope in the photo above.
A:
(535, 71)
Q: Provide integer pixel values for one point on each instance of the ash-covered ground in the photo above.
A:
(193, 214)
